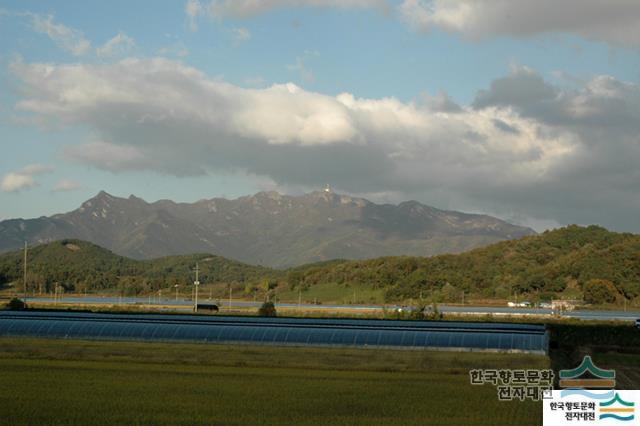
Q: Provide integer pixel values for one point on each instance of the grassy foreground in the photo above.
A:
(87, 382)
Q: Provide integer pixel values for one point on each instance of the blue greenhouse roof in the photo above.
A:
(284, 331)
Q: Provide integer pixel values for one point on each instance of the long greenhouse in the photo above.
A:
(278, 331)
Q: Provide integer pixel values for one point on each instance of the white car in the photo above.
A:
(518, 304)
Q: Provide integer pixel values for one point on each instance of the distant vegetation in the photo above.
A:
(572, 262)
(79, 266)
(268, 309)
(586, 263)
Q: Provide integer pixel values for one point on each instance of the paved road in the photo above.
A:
(478, 310)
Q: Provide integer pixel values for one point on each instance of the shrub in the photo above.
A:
(426, 312)
(600, 291)
(267, 309)
(16, 304)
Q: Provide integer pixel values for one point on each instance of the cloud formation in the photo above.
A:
(69, 39)
(239, 9)
(193, 9)
(23, 178)
(246, 8)
(120, 44)
(614, 21)
(240, 35)
(66, 185)
(524, 146)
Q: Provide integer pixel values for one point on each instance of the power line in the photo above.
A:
(196, 283)
(25, 272)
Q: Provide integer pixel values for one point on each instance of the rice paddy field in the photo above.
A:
(90, 382)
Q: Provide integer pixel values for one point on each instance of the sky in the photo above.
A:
(528, 111)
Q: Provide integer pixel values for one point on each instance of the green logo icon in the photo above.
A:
(625, 411)
(596, 377)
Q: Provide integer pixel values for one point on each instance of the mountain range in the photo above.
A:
(267, 228)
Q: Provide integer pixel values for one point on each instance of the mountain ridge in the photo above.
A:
(267, 228)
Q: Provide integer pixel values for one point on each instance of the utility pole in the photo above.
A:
(25, 272)
(196, 283)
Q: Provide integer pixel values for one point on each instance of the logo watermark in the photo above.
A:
(587, 394)
(516, 384)
(589, 397)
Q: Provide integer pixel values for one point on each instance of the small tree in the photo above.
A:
(435, 313)
(600, 291)
(267, 309)
(426, 312)
(450, 293)
(16, 304)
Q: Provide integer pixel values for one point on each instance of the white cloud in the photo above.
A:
(36, 169)
(66, 38)
(120, 44)
(614, 21)
(177, 49)
(257, 81)
(240, 35)
(193, 9)
(13, 182)
(246, 8)
(306, 74)
(64, 185)
(239, 9)
(523, 145)
(107, 155)
(23, 178)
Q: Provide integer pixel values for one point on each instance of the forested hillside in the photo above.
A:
(79, 266)
(564, 262)
(573, 262)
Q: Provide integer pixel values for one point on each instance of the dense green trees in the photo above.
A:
(78, 266)
(570, 262)
(555, 263)
(600, 291)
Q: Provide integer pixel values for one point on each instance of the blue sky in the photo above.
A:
(400, 61)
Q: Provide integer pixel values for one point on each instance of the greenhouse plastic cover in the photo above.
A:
(281, 331)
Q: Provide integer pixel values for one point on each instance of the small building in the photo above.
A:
(564, 305)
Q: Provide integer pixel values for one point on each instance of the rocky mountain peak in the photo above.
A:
(266, 228)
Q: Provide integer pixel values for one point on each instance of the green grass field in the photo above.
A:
(87, 382)
(335, 293)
